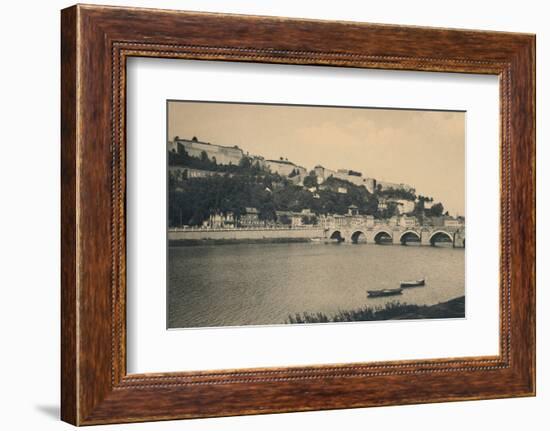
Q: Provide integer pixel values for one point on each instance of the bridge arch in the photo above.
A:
(358, 237)
(383, 236)
(409, 236)
(439, 234)
(337, 235)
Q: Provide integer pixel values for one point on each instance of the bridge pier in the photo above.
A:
(370, 236)
(459, 239)
(425, 238)
(396, 237)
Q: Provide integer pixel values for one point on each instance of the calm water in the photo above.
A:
(243, 284)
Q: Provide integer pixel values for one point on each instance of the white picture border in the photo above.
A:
(153, 348)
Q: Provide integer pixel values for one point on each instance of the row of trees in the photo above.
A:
(392, 193)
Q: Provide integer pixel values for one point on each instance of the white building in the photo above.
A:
(451, 222)
(407, 221)
(323, 173)
(193, 147)
(285, 168)
(353, 177)
(219, 220)
(405, 206)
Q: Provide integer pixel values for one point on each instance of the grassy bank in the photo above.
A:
(392, 311)
(195, 242)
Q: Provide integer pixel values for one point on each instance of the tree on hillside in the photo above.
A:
(293, 173)
(398, 193)
(419, 210)
(267, 211)
(309, 219)
(436, 210)
(310, 180)
(371, 207)
(284, 219)
(245, 163)
(390, 211)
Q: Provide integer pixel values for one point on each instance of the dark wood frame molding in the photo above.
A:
(95, 43)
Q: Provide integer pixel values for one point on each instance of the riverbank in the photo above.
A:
(195, 242)
(455, 308)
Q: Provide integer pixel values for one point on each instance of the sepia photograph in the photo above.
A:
(300, 214)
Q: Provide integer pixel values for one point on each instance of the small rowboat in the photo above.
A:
(384, 292)
(413, 283)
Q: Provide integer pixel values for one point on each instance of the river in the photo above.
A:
(261, 284)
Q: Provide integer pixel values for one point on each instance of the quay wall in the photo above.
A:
(244, 234)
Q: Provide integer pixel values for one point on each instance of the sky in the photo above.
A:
(425, 149)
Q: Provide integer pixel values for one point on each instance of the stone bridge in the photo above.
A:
(423, 235)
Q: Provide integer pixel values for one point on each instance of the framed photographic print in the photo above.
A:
(268, 215)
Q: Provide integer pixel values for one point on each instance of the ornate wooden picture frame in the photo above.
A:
(96, 41)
